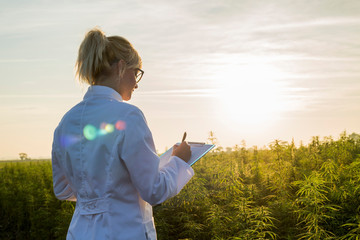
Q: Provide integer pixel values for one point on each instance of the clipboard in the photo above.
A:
(198, 150)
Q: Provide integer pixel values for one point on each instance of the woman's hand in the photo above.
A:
(182, 151)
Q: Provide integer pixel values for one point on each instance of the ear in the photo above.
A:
(121, 67)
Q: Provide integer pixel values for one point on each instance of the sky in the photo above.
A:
(245, 69)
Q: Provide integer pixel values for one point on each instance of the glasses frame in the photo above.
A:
(139, 73)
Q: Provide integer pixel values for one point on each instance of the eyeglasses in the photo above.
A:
(138, 74)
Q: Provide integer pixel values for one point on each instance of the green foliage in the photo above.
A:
(284, 192)
(28, 207)
(314, 208)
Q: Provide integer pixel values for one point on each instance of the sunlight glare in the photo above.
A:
(252, 93)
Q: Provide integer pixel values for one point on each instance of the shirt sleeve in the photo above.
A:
(62, 189)
(137, 150)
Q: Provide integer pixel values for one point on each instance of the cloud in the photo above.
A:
(180, 93)
(26, 60)
(43, 96)
(338, 22)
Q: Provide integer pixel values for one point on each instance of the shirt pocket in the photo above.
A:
(93, 206)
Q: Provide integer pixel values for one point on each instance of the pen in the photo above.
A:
(183, 139)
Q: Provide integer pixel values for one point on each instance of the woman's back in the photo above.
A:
(103, 154)
(88, 135)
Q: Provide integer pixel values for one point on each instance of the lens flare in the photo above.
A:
(90, 132)
(68, 140)
(120, 125)
(102, 132)
(109, 128)
(103, 125)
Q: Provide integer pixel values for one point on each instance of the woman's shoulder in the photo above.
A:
(123, 107)
(123, 110)
(72, 111)
(133, 110)
(109, 111)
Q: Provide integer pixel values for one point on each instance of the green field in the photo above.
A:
(281, 192)
(4, 163)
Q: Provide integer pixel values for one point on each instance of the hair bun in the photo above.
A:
(97, 52)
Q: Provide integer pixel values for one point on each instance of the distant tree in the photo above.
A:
(355, 137)
(228, 149)
(23, 156)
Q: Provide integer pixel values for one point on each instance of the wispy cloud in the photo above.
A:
(32, 96)
(341, 21)
(26, 60)
(181, 93)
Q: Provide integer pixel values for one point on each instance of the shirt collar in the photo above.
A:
(96, 90)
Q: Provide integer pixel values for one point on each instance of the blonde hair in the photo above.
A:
(97, 53)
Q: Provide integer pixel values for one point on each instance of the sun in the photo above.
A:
(251, 93)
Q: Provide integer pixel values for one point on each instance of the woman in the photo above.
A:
(103, 154)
